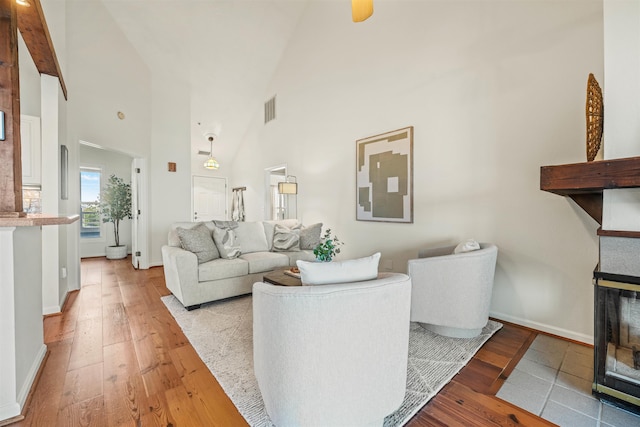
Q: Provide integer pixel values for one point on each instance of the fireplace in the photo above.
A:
(617, 340)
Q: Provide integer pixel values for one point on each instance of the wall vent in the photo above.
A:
(270, 110)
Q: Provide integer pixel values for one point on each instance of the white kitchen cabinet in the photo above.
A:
(31, 149)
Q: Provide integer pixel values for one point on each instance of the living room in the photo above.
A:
(505, 96)
(493, 90)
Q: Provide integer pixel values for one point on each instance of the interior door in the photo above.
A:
(134, 213)
(209, 195)
(139, 256)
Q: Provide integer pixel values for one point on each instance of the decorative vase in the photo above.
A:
(116, 252)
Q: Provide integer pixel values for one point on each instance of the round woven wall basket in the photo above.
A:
(595, 117)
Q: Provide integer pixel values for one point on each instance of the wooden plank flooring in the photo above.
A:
(118, 358)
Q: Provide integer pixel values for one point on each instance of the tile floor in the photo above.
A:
(553, 380)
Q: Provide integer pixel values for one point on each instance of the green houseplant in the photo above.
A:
(115, 206)
(328, 247)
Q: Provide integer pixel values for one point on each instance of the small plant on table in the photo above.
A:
(328, 247)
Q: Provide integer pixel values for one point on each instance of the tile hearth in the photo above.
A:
(553, 380)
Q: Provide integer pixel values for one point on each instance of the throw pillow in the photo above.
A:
(198, 240)
(310, 236)
(286, 239)
(251, 237)
(326, 273)
(226, 242)
(468, 246)
(225, 224)
(269, 228)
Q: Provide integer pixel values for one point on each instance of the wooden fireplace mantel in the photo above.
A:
(585, 182)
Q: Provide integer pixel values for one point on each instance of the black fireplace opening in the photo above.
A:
(617, 341)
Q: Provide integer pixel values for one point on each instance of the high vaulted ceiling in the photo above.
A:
(225, 50)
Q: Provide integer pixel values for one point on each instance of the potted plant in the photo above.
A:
(328, 247)
(115, 206)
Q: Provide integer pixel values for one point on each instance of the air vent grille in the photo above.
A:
(270, 110)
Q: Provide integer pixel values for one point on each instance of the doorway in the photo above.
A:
(96, 166)
(275, 203)
(96, 235)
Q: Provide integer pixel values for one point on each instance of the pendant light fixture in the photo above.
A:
(361, 9)
(211, 163)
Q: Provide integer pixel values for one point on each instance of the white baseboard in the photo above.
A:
(9, 410)
(587, 339)
(51, 310)
(31, 376)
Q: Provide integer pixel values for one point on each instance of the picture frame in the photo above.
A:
(64, 171)
(384, 177)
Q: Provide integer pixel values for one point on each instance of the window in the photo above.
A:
(89, 198)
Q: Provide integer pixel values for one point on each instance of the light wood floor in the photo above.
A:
(118, 358)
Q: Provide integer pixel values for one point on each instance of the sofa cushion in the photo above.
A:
(199, 241)
(251, 237)
(310, 236)
(222, 269)
(269, 228)
(265, 261)
(286, 239)
(304, 255)
(353, 270)
(226, 241)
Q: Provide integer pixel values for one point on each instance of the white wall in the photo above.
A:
(170, 198)
(494, 90)
(110, 163)
(106, 75)
(20, 315)
(29, 81)
(621, 134)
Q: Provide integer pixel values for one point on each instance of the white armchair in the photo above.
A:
(332, 355)
(452, 292)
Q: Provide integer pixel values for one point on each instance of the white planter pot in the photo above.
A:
(116, 252)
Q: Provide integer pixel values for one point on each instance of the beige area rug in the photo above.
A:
(221, 333)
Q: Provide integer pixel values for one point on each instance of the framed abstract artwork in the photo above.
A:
(384, 177)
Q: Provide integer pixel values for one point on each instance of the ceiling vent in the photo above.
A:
(270, 110)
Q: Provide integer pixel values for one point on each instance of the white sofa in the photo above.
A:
(332, 355)
(452, 292)
(194, 284)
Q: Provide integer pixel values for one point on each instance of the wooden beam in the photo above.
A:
(34, 30)
(585, 182)
(10, 153)
(591, 177)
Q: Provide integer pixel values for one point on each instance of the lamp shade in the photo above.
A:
(361, 9)
(211, 163)
(287, 188)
